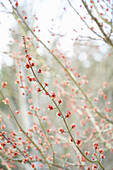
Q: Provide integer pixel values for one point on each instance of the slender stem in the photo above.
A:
(60, 63)
(57, 107)
(84, 20)
(107, 39)
(17, 149)
(25, 133)
(46, 136)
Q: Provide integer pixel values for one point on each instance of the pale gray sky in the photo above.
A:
(64, 21)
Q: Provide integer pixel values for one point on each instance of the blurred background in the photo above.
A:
(82, 51)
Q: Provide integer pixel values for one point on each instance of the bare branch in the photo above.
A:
(84, 20)
(107, 39)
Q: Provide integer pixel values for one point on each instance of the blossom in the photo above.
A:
(50, 107)
(39, 70)
(3, 85)
(73, 126)
(16, 3)
(95, 145)
(58, 114)
(59, 101)
(27, 66)
(53, 95)
(46, 84)
(5, 101)
(67, 115)
(32, 166)
(78, 141)
(25, 17)
(61, 130)
(38, 90)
